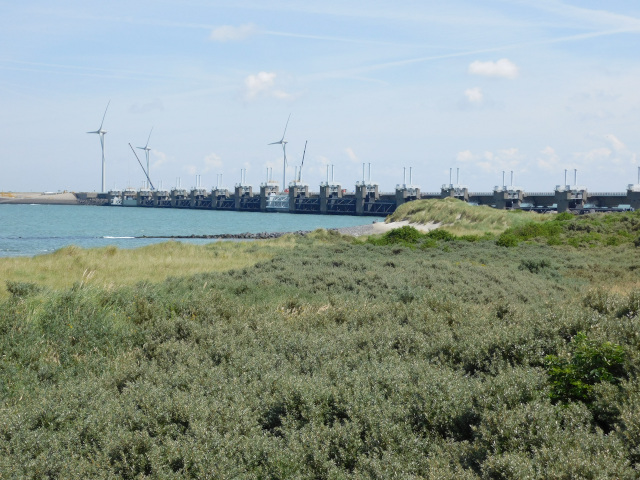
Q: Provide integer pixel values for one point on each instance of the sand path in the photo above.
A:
(65, 198)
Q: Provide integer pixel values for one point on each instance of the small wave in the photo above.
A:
(117, 237)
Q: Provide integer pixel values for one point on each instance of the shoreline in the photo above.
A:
(69, 198)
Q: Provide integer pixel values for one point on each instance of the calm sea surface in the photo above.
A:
(38, 229)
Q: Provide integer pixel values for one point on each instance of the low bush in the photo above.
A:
(22, 289)
(441, 234)
(534, 266)
(508, 240)
(588, 363)
(405, 234)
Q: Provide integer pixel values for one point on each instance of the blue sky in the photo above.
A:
(533, 86)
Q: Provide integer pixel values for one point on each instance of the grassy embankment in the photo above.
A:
(419, 356)
(460, 218)
(110, 267)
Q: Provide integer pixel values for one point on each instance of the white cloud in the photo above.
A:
(615, 143)
(465, 156)
(549, 161)
(229, 33)
(257, 84)
(503, 68)
(474, 95)
(212, 162)
(505, 159)
(613, 156)
(316, 167)
(261, 84)
(323, 161)
(160, 159)
(351, 154)
(598, 158)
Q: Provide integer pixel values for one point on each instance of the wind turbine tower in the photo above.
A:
(102, 132)
(283, 142)
(146, 152)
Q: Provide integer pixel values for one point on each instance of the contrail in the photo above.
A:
(410, 61)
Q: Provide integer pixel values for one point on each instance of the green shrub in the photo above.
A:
(440, 234)
(469, 238)
(560, 217)
(534, 266)
(603, 301)
(588, 363)
(428, 243)
(22, 289)
(405, 234)
(507, 240)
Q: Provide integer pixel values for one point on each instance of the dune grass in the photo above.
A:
(461, 218)
(114, 267)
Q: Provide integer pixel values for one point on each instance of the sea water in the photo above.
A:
(38, 229)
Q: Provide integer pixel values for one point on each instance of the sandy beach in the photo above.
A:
(43, 198)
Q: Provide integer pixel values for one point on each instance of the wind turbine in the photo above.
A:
(284, 152)
(146, 152)
(102, 132)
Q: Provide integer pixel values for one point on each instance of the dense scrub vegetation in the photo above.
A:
(592, 230)
(334, 358)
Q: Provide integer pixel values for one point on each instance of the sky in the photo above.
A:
(529, 86)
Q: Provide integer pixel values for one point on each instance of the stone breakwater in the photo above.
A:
(223, 236)
(354, 231)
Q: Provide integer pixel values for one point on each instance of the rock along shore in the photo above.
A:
(354, 231)
(242, 236)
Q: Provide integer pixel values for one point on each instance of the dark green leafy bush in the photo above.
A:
(22, 289)
(564, 216)
(589, 363)
(507, 240)
(534, 266)
(404, 235)
(440, 234)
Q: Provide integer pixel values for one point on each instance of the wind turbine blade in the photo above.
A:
(284, 151)
(274, 143)
(105, 114)
(285, 127)
(148, 138)
(97, 131)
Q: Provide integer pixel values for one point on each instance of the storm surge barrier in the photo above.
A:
(365, 199)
